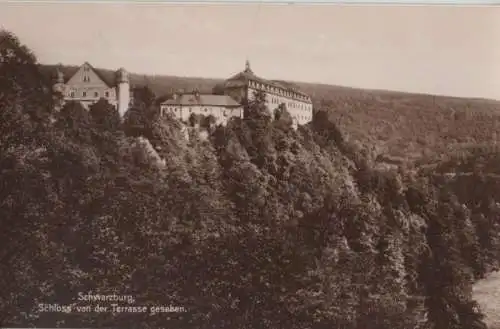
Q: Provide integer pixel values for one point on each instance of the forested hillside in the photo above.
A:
(393, 127)
(257, 226)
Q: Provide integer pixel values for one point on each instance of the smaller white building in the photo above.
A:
(221, 107)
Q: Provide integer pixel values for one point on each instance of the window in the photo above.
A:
(106, 93)
(72, 94)
(206, 110)
(84, 94)
(96, 94)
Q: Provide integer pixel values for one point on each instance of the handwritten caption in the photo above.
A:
(109, 304)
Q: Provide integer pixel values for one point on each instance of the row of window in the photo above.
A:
(277, 90)
(86, 78)
(84, 94)
(303, 117)
(275, 100)
(175, 109)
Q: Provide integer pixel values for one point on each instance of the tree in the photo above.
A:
(258, 221)
(143, 96)
(326, 129)
(20, 79)
(195, 119)
(138, 120)
(163, 98)
(282, 115)
(256, 107)
(75, 120)
(105, 115)
(209, 121)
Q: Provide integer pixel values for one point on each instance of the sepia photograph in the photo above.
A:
(249, 165)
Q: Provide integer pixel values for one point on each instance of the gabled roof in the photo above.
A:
(49, 72)
(108, 79)
(202, 100)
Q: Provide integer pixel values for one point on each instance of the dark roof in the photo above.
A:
(202, 100)
(49, 71)
(107, 76)
(241, 79)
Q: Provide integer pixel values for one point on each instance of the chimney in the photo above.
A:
(197, 94)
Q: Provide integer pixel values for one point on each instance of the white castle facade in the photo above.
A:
(88, 85)
(237, 90)
(183, 106)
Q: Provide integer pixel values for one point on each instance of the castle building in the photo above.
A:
(243, 86)
(221, 107)
(87, 85)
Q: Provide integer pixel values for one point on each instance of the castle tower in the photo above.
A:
(247, 66)
(58, 89)
(123, 91)
(58, 86)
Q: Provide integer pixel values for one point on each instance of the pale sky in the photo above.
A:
(430, 49)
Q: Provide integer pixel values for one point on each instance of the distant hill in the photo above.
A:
(296, 226)
(159, 84)
(409, 125)
(395, 125)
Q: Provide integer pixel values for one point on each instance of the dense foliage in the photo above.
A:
(392, 127)
(258, 226)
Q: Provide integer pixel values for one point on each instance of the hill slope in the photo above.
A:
(390, 125)
(255, 226)
(487, 294)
